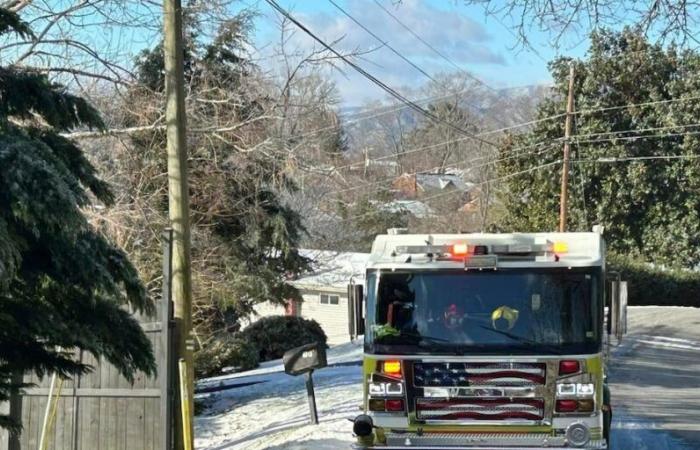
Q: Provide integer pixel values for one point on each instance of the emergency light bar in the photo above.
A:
(460, 249)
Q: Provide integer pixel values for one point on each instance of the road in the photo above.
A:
(655, 380)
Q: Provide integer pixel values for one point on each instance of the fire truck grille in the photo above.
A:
(464, 374)
(478, 409)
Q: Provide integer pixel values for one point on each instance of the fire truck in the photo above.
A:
(486, 341)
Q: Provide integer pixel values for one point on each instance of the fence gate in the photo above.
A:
(102, 410)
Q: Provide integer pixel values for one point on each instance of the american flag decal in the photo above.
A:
(478, 374)
(478, 408)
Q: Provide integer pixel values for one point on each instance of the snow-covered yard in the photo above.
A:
(273, 413)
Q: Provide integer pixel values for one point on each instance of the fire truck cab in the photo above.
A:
(486, 341)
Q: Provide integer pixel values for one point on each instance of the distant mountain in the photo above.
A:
(491, 109)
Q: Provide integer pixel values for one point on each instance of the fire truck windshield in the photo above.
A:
(511, 311)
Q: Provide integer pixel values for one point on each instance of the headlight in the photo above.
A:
(388, 389)
(577, 389)
(566, 389)
(376, 389)
(585, 389)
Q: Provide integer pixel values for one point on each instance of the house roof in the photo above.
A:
(332, 270)
(415, 207)
(440, 181)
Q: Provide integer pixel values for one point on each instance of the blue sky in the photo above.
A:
(479, 44)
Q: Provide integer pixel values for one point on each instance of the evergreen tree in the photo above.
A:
(245, 238)
(62, 284)
(650, 208)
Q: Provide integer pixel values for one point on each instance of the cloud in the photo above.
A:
(464, 40)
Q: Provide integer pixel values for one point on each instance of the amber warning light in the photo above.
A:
(392, 367)
(560, 247)
(460, 249)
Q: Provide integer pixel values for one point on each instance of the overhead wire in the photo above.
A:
(371, 77)
(452, 166)
(633, 138)
(431, 47)
(540, 167)
(518, 152)
(383, 42)
(392, 49)
(427, 147)
(533, 122)
(595, 160)
(575, 139)
(442, 194)
(611, 160)
(632, 105)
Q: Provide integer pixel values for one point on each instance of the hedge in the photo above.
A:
(650, 285)
(225, 350)
(274, 335)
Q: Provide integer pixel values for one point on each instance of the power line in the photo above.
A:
(533, 122)
(442, 194)
(632, 105)
(371, 77)
(392, 49)
(452, 166)
(427, 147)
(639, 130)
(521, 153)
(634, 138)
(384, 43)
(427, 44)
(575, 140)
(550, 164)
(610, 160)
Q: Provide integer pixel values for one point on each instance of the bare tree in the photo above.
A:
(663, 19)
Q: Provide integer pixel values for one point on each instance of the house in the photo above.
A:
(324, 292)
(415, 185)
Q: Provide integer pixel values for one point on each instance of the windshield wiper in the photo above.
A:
(549, 348)
(452, 348)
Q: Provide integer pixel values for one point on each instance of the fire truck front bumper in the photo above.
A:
(478, 441)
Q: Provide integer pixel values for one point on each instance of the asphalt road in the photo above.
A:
(655, 380)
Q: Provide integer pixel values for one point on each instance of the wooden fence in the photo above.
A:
(102, 410)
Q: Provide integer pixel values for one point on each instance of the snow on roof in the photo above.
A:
(440, 181)
(333, 269)
(415, 207)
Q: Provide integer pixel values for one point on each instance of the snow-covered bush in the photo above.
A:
(648, 284)
(225, 351)
(274, 335)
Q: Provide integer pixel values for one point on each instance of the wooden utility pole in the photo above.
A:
(178, 199)
(567, 151)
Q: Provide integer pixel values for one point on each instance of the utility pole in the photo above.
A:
(567, 151)
(178, 200)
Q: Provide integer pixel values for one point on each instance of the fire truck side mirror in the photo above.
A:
(617, 307)
(356, 320)
(622, 316)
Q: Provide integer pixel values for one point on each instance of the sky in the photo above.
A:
(485, 46)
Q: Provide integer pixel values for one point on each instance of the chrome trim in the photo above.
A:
(480, 441)
(483, 391)
(601, 446)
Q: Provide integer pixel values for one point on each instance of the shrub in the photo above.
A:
(225, 351)
(274, 335)
(649, 285)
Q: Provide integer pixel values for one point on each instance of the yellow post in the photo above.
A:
(185, 406)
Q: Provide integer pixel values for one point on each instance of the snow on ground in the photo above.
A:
(654, 380)
(274, 413)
